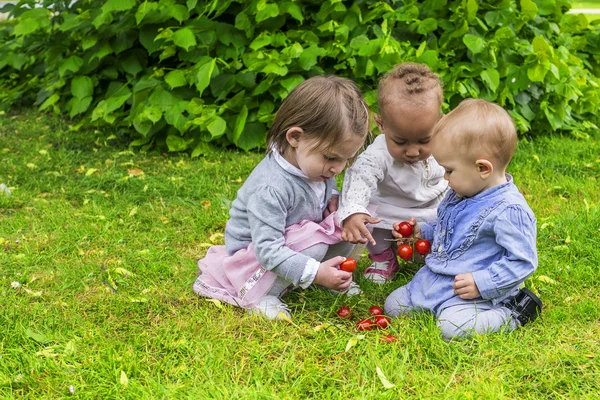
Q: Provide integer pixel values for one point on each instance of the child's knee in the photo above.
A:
(450, 329)
(398, 302)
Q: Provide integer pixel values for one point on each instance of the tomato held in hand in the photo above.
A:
(405, 229)
(344, 312)
(349, 265)
(405, 252)
(423, 246)
(382, 321)
(365, 325)
(375, 310)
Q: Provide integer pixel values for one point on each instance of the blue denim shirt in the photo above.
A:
(492, 235)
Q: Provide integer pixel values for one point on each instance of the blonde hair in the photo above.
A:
(326, 108)
(483, 128)
(409, 83)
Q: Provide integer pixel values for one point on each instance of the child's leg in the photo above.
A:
(470, 318)
(398, 302)
(385, 263)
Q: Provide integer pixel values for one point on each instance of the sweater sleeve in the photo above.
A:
(360, 182)
(515, 231)
(267, 212)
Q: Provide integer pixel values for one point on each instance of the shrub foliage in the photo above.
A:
(187, 73)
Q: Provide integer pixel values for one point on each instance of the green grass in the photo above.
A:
(83, 206)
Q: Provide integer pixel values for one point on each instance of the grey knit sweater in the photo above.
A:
(270, 200)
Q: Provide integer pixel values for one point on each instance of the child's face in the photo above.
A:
(319, 166)
(408, 129)
(462, 172)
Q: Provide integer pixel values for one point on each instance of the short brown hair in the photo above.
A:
(326, 108)
(411, 83)
(483, 128)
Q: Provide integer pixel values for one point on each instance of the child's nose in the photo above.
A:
(412, 151)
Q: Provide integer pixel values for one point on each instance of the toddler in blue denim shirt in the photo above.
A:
(483, 242)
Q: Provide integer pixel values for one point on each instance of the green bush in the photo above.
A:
(186, 73)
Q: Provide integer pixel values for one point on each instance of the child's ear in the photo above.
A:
(294, 135)
(485, 167)
(378, 121)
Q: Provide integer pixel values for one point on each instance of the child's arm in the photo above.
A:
(515, 231)
(360, 182)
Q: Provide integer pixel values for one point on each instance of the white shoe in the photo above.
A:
(378, 272)
(353, 290)
(271, 307)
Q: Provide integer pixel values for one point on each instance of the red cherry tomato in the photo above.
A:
(405, 229)
(388, 339)
(423, 246)
(382, 321)
(349, 265)
(344, 312)
(375, 310)
(365, 325)
(405, 252)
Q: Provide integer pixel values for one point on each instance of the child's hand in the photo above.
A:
(355, 230)
(332, 206)
(416, 230)
(464, 286)
(332, 278)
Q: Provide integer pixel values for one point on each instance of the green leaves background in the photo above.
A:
(183, 74)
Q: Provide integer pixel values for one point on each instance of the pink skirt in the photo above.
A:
(240, 280)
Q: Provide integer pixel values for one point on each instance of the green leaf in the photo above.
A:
(176, 78)
(294, 10)
(184, 37)
(178, 12)
(176, 143)
(38, 337)
(267, 11)
(49, 101)
(254, 136)
(31, 20)
(542, 47)
(384, 381)
(217, 127)
(292, 81)
(153, 114)
(427, 26)
(131, 65)
(528, 9)
(191, 4)
(240, 122)
(308, 58)
(88, 42)
(118, 5)
(262, 40)
(72, 64)
(203, 76)
(102, 52)
(545, 7)
(82, 86)
(79, 105)
(538, 71)
(492, 78)
(143, 10)
(201, 148)
(242, 22)
(163, 99)
(474, 43)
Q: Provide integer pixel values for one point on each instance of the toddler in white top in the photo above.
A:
(396, 175)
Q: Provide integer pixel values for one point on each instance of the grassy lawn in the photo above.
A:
(104, 243)
(590, 5)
